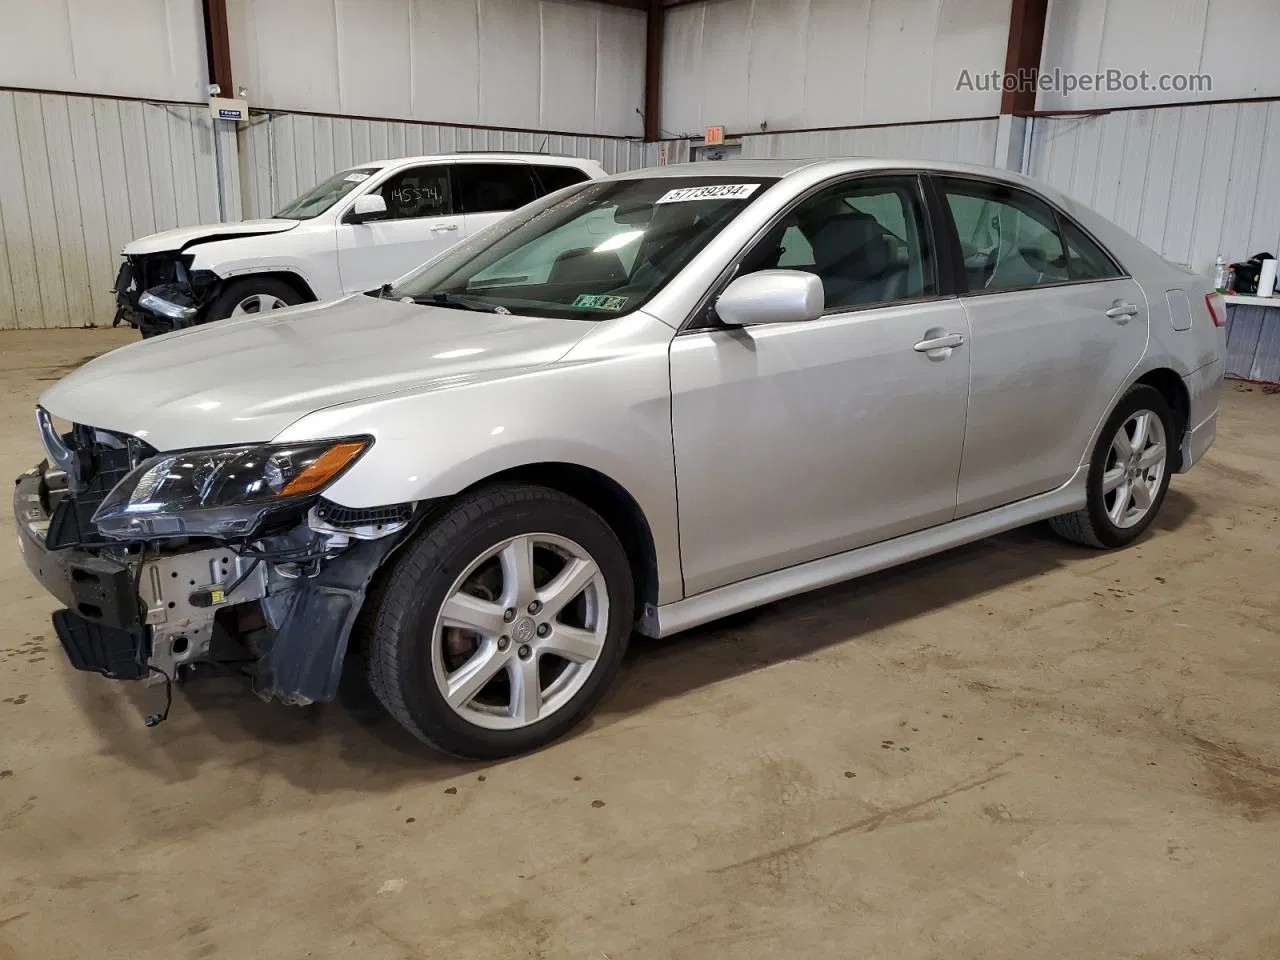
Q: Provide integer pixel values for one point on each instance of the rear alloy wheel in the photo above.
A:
(500, 626)
(1128, 475)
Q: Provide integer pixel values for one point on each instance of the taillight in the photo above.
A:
(1217, 308)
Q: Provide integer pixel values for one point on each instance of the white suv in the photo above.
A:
(359, 229)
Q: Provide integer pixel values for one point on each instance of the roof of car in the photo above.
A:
(832, 165)
(547, 158)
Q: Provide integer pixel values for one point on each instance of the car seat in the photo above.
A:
(854, 260)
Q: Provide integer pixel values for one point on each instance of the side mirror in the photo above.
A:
(771, 296)
(370, 206)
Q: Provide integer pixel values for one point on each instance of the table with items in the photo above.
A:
(1253, 338)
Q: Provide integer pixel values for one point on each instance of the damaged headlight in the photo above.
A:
(166, 308)
(222, 492)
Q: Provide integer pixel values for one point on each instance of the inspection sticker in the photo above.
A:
(600, 301)
(717, 191)
(357, 177)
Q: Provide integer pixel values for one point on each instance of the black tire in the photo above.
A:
(399, 630)
(238, 290)
(1091, 525)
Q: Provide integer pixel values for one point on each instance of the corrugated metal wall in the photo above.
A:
(1190, 182)
(796, 64)
(126, 48)
(965, 141)
(541, 64)
(1232, 41)
(285, 154)
(79, 178)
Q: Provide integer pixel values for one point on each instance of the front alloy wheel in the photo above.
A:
(500, 625)
(521, 632)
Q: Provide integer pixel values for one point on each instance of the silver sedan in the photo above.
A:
(640, 403)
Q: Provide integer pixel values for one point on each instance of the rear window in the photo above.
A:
(557, 177)
(494, 187)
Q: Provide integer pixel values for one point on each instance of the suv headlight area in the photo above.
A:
(221, 492)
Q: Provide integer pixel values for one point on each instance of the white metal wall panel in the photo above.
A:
(130, 48)
(796, 64)
(285, 154)
(1190, 182)
(1232, 41)
(510, 63)
(446, 62)
(533, 64)
(963, 141)
(82, 177)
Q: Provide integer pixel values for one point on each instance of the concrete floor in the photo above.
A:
(1019, 749)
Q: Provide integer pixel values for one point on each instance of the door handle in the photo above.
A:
(444, 226)
(939, 343)
(1121, 312)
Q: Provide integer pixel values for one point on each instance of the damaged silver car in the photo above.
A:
(638, 404)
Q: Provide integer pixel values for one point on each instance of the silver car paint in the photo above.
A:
(601, 396)
(252, 378)
(797, 441)
(1046, 367)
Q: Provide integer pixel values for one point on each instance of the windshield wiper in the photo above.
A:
(442, 299)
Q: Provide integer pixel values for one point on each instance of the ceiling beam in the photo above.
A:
(629, 4)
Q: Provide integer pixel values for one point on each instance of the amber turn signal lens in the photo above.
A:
(324, 468)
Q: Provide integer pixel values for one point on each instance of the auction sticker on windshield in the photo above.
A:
(716, 191)
(600, 301)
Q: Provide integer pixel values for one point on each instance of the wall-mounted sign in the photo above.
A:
(714, 136)
(224, 109)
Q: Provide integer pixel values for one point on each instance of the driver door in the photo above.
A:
(798, 441)
(421, 223)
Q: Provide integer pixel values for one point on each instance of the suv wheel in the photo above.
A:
(252, 295)
(500, 626)
(1128, 475)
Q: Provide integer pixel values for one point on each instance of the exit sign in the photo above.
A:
(714, 136)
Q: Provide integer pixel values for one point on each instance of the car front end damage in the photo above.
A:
(174, 565)
(160, 292)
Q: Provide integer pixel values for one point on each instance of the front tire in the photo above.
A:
(1128, 474)
(250, 296)
(501, 625)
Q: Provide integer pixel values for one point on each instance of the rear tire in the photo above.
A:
(1128, 474)
(481, 661)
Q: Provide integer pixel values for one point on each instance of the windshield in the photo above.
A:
(324, 195)
(604, 249)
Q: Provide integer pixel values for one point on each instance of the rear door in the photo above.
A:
(487, 192)
(1056, 329)
(422, 222)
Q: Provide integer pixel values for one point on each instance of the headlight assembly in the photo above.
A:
(222, 492)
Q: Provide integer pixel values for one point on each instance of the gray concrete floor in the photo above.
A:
(1019, 749)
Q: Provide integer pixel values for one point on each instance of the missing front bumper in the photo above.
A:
(131, 618)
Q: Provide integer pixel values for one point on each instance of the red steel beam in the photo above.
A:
(218, 45)
(655, 21)
(1022, 59)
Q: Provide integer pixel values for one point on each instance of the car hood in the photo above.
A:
(184, 237)
(243, 381)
